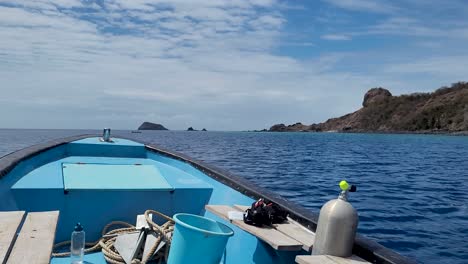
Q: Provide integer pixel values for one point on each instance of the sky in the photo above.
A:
(218, 64)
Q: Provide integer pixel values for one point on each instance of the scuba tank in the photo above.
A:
(336, 226)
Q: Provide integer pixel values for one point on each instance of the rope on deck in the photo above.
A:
(106, 242)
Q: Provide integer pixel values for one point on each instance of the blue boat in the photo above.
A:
(93, 181)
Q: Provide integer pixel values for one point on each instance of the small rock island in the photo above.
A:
(193, 129)
(151, 126)
(442, 111)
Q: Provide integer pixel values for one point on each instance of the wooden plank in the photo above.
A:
(271, 236)
(36, 239)
(292, 229)
(9, 224)
(219, 210)
(295, 230)
(326, 259)
(241, 207)
(319, 259)
(351, 260)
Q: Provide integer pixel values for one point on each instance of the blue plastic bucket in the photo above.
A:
(197, 239)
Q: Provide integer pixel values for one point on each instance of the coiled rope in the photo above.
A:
(106, 242)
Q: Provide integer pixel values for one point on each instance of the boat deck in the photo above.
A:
(75, 179)
(273, 237)
(326, 259)
(288, 236)
(35, 240)
(104, 184)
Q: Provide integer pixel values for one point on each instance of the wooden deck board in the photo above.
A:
(271, 236)
(9, 224)
(292, 229)
(241, 207)
(326, 259)
(301, 234)
(35, 241)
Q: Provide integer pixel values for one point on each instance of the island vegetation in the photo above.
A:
(442, 111)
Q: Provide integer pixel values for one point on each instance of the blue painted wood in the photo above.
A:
(192, 189)
(96, 207)
(113, 177)
(50, 174)
(24, 167)
(96, 148)
(115, 141)
(91, 258)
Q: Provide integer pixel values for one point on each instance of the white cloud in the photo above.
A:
(181, 63)
(454, 66)
(335, 37)
(364, 5)
(413, 27)
(409, 18)
(183, 53)
(407, 27)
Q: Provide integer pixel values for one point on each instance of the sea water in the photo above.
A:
(412, 189)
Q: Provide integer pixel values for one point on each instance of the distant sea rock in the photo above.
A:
(193, 129)
(297, 127)
(442, 111)
(151, 126)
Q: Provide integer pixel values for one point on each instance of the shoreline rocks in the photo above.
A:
(444, 111)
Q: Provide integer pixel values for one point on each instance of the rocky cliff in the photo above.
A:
(151, 126)
(445, 110)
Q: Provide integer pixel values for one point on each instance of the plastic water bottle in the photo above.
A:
(77, 245)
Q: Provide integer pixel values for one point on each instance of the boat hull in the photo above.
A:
(33, 179)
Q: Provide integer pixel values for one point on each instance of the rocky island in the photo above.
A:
(151, 126)
(442, 111)
(193, 129)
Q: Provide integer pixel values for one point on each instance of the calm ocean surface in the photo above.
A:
(412, 189)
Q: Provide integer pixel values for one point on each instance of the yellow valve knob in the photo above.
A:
(344, 185)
